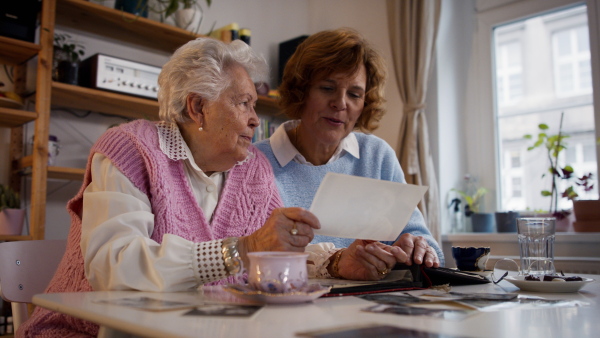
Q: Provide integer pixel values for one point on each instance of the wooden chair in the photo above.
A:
(26, 268)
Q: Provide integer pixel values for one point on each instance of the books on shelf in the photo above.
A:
(265, 129)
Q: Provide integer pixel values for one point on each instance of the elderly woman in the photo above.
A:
(332, 87)
(176, 204)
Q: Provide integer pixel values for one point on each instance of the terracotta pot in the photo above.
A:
(587, 210)
(587, 215)
(11, 221)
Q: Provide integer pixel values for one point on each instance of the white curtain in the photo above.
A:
(413, 26)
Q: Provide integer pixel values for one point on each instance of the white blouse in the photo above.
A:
(117, 223)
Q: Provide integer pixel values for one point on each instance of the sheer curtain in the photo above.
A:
(413, 26)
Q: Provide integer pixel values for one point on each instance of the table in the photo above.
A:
(330, 312)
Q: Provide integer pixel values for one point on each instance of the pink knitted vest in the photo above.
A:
(248, 198)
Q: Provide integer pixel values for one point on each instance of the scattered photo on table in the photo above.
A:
(392, 299)
(485, 296)
(147, 303)
(224, 310)
(419, 311)
(370, 331)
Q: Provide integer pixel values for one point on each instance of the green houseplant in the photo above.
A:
(11, 216)
(67, 56)
(473, 197)
(554, 145)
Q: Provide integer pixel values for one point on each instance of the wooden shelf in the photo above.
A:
(9, 238)
(15, 52)
(15, 117)
(126, 27)
(111, 24)
(63, 173)
(268, 106)
(76, 97)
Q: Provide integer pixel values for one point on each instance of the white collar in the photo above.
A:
(285, 152)
(173, 145)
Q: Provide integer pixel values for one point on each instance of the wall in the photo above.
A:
(271, 22)
(447, 99)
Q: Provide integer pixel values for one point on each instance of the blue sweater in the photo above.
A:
(298, 183)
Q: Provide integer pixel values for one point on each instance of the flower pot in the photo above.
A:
(506, 221)
(587, 215)
(137, 7)
(188, 19)
(11, 221)
(586, 210)
(68, 72)
(482, 222)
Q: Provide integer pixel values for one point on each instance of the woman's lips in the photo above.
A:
(333, 121)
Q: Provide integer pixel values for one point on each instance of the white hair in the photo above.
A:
(200, 66)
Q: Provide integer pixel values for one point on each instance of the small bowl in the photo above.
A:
(470, 258)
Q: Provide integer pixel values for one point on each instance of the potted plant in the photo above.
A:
(554, 145)
(67, 56)
(11, 214)
(187, 14)
(137, 7)
(480, 221)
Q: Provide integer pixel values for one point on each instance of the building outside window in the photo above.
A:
(542, 69)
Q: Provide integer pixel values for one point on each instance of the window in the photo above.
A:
(509, 72)
(542, 69)
(572, 69)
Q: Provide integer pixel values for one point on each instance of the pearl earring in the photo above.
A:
(200, 129)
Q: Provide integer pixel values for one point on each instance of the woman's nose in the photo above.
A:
(338, 102)
(254, 120)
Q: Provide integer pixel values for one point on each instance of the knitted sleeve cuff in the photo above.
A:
(319, 258)
(209, 261)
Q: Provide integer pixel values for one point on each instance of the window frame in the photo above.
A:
(482, 157)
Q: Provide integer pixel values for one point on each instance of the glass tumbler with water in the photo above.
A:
(536, 244)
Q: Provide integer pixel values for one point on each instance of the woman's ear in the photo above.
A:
(194, 104)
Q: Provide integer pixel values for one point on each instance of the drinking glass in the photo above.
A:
(536, 244)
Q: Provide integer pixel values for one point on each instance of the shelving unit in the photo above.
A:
(91, 17)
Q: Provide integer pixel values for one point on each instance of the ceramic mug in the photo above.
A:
(470, 258)
(278, 272)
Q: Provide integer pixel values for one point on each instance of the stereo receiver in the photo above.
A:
(119, 75)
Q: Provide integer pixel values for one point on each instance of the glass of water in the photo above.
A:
(536, 245)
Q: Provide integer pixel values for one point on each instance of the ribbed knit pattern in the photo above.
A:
(248, 198)
(298, 183)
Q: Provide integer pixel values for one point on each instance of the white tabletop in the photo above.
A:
(331, 312)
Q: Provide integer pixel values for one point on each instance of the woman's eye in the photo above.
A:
(326, 88)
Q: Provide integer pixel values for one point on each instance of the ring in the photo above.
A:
(384, 272)
(294, 231)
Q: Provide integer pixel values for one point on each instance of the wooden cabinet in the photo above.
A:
(85, 16)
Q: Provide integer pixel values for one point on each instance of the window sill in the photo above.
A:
(574, 252)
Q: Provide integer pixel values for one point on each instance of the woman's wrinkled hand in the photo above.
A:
(369, 260)
(418, 249)
(287, 229)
